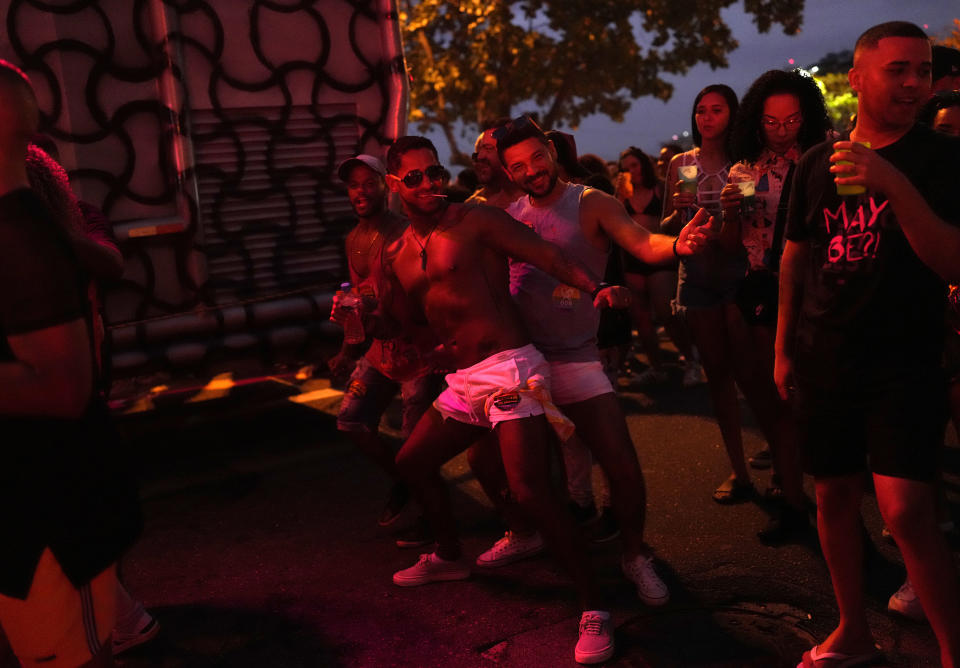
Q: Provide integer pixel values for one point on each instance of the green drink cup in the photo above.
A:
(688, 176)
(849, 189)
(748, 190)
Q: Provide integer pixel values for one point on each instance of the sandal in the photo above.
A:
(733, 491)
(813, 656)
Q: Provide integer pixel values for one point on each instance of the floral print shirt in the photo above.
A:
(757, 230)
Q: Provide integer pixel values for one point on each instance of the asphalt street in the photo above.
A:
(261, 548)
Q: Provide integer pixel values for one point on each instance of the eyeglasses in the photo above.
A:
(414, 177)
(773, 124)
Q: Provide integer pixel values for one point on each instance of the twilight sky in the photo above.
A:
(828, 25)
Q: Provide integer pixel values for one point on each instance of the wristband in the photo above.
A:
(600, 286)
(675, 253)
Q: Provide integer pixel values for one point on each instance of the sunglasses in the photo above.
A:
(516, 125)
(414, 177)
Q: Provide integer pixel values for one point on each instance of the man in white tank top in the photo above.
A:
(583, 222)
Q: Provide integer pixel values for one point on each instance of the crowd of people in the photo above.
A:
(807, 269)
(804, 265)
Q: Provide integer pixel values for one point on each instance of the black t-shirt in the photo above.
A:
(872, 312)
(64, 484)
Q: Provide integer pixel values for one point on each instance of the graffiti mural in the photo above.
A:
(208, 131)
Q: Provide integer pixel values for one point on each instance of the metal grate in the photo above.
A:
(272, 213)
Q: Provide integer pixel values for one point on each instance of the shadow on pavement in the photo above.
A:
(194, 636)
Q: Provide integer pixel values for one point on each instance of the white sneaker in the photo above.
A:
(650, 588)
(431, 568)
(595, 644)
(692, 374)
(146, 628)
(905, 602)
(511, 548)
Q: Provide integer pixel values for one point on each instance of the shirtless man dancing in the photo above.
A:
(453, 263)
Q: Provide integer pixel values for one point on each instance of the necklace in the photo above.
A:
(423, 247)
(373, 240)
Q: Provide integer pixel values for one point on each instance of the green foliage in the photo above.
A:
(840, 98)
(953, 39)
(472, 60)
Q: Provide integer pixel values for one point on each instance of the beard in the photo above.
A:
(528, 187)
(485, 172)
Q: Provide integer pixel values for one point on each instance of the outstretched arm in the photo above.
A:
(506, 235)
(633, 238)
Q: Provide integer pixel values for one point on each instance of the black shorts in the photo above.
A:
(894, 432)
(951, 356)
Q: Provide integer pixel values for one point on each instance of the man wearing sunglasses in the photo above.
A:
(386, 362)
(452, 261)
(582, 221)
(496, 187)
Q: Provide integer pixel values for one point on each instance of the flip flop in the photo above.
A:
(841, 660)
(731, 491)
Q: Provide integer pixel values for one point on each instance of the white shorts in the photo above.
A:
(58, 625)
(571, 382)
(496, 389)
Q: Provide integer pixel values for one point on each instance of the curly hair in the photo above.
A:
(747, 137)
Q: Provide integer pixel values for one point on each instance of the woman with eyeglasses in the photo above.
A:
(781, 116)
(652, 286)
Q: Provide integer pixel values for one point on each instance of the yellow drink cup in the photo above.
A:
(849, 189)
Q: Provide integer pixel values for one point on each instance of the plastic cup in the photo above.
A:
(850, 189)
(688, 175)
(748, 189)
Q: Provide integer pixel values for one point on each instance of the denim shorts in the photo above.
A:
(370, 392)
(709, 279)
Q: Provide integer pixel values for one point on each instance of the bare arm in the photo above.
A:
(730, 236)
(613, 219)
(792, 265)
(934, 240)
(51, 375)
(670, 188)
(674, 201)
(498, 230)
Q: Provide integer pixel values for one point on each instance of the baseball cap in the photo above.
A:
(363, 159)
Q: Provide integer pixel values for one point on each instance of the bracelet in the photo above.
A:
(600, 286)
(675, 253)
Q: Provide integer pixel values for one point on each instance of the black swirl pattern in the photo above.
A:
(259, 214)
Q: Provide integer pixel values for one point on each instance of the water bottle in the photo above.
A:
(353, 325)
